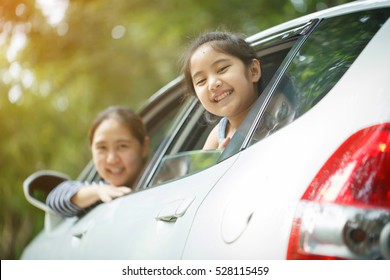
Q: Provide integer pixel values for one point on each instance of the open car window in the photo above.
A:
(158, 115)
(183, 154)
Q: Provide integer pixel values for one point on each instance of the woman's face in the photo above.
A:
(117, 154)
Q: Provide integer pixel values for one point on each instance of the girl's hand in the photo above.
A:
(224, 143)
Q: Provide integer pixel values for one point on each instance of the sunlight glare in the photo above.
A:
(54, 10)
(118, 32)
(18, 41)
(299, 5)
(15, 94)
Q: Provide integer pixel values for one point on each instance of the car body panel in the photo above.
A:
(243, 207)
(107, 232)
(270, 202)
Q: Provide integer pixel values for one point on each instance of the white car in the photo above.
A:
(306, 176)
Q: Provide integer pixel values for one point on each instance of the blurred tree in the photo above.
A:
(62, 61)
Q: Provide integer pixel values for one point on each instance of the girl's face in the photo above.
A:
(223, 83)
(117, 154)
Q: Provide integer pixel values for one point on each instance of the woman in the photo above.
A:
(119, 145)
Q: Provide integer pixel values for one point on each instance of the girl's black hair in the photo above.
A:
(225, 42)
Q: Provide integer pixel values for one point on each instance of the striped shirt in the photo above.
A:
(59, 199)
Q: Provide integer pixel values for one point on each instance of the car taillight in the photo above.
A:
(345, 212)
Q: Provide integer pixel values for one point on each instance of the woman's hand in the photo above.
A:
(89, 195)
(107, 193)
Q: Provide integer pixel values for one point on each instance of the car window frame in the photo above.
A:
(297, 36)
(186, 122)
(174, 91)
(152, 165)
(243, 136)
(167, 97)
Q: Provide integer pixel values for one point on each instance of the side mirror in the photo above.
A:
(36, 188)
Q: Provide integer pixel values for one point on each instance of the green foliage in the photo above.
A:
(101, 53)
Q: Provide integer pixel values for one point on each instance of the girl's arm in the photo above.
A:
(212, 140)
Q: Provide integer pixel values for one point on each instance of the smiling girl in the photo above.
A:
(222, 70)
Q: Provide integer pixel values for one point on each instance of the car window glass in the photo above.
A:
(184, 156)
(318, 66)
(158, 131)
(184, 163)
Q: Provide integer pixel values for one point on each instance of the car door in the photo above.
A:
(154, 222)
(281, 148)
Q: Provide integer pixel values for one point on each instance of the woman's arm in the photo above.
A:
(59, 199)
(71, 198)
(89, 195)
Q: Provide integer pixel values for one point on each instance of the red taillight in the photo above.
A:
(345, 212)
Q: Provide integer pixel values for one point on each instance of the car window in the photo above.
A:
(184, 153)
(159, 115)
(160, 111)
(158, 128)
(184, 163)
(321, 62)
(187, 135)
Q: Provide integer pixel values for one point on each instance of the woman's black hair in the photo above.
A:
(126, 116)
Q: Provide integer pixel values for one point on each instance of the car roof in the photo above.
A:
(326, 13)
(355, 6)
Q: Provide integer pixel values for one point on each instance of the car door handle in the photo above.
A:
(174, 210)
(79, 234)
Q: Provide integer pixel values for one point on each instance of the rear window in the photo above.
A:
(324, 58)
